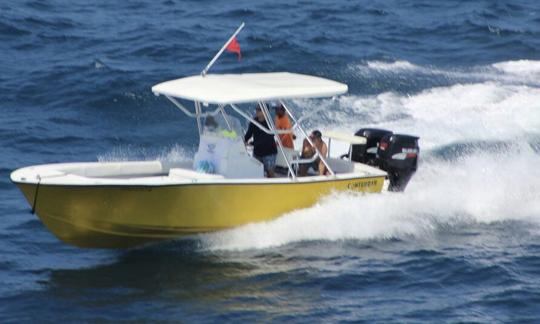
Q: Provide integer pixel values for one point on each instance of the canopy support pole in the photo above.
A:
(323, 159)
(203, 73)
(329, 145)
(276, 136)
(189, 113)
(220, 107)
(198, 112)
(181, 107)
(256, 123)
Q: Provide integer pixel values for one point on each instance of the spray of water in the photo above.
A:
(480, 164)
(480, 188)
(173, 154)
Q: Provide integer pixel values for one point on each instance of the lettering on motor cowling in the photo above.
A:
(362, 184)
(409, 150)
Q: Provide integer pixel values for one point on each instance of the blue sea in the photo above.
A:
(461, 244)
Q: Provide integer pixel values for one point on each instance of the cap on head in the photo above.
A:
(280, 110)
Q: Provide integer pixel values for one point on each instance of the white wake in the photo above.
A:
(481, 184)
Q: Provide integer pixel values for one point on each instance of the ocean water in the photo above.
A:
(461, 244)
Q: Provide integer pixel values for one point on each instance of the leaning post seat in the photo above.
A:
(291, 155)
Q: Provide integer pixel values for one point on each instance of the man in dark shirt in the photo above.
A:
(264, 145)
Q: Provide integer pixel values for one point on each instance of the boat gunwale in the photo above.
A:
(32, 175)
(199, 183)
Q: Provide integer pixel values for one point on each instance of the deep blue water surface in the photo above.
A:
(461, 244)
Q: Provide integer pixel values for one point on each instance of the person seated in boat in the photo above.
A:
(283, 123)
(219, 127)
(308, 151)
(264, 145)
(210, 124)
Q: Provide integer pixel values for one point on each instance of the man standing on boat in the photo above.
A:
(282, 122)
(264, 145)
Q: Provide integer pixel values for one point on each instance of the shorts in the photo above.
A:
(268, 161)
(315, 165)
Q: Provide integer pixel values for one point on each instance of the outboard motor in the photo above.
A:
(398, 156)
(367, 153)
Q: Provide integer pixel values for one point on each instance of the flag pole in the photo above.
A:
(203, 73)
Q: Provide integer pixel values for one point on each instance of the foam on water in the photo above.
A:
(462, 112)
(521, 67)
(391, 66)
(476, 189)
(511, 72)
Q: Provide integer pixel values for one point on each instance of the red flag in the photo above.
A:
(234, 47)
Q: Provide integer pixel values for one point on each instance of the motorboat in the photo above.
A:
(129, 203)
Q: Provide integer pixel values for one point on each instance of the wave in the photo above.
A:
(521, 67)
(64, 140)
(517, 72)
(442, 196)
(237, 13)
(442, 115)
(8, 30)
(391, 66)
(54, 23)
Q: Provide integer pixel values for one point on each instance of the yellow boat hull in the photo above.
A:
(108, 216)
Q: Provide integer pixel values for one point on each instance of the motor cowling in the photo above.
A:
(367, 153)
(398, 156)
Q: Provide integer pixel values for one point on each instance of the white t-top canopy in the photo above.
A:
(249, 87)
